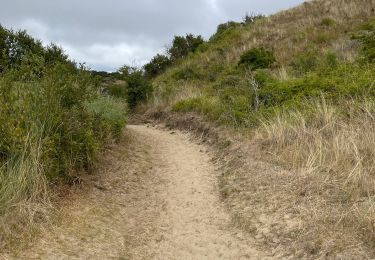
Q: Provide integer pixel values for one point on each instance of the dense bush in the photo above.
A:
(157, 65)
(53, 109)
(257, 58)
(343, 81)
(182, 46)
(222, 29)
(117, 90)
(108, 116)
(53, 121)
(306, 62)
(186, 72)
(15, 46)
(138, 88)
(367, 39)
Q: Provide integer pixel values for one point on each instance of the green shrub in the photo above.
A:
(367, 38)
(257, 58)
(52, 124)
(223, 29)
(340, 82)
(188, 105)
(157, 65)
(327, 22)
(117, 90)
(138, 88)
(186, 72)
(306, 62)
(331, 59)
(252, 18)
(228, 81)
(109, 116)
(52, 108)
(208, 106)
(182, 46)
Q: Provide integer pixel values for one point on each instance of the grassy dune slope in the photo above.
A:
(311, 112)
(312, 29)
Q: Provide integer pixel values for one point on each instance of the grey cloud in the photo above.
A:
(110, 33)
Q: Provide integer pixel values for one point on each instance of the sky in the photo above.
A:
(106, 34)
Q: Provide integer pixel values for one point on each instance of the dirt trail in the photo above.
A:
(157, 199)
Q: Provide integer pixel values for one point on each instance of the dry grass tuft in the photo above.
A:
(333, 190)
(24, 197)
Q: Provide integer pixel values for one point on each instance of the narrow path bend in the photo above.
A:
(156, 197)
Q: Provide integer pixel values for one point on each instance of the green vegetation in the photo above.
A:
(180, 48)
(53, 123)
(367, 38)
(248, 88)
(257, 58)
(157, 65)
(300, 82)
(138, 88)
(118, 90)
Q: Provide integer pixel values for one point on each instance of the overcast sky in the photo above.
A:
(107, 34)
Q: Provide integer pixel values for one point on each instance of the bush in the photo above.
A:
(186, 72)
(117, 90)
(251, 18)
(222, 29)
(157, 65)
(138, 87)
(109, 116)
(306, 62)
(182, 46)
(327, 22)
(344, 81)
(16, 46)
(367, 38)
(52, 124)
(257, 58)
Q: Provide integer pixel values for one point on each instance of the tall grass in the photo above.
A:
(331, 149)
(53, 122)
(24, 195)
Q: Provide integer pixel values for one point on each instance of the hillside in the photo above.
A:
(301, 39)
(299, 88)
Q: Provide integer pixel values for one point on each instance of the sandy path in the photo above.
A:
(157, 199)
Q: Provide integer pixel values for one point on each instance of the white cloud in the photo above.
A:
(215, 7)
(108, 34)
(110, 57)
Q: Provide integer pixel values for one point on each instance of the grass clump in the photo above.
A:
(330, 148)
(109, 114)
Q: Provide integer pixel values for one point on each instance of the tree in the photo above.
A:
(138, 87)
(193, 42)
(157, 65)
(182, 46)
(179, 48)
(16, 47)
(54, 54)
